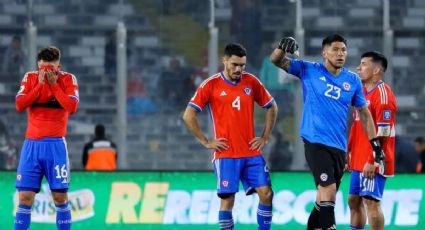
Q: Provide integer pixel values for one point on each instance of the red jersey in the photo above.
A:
(231, 107)
(48, 105)
(383, 106)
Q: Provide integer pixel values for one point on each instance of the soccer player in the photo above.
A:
(50, 96)
(367, 178)
(328, 89)
(229, 97)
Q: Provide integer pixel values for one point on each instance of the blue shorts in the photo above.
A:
(363, 186)
(45, 157)
(251, 171)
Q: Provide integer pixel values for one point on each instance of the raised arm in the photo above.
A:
(278, 57)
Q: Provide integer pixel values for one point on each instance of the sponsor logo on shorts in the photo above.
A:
(323, 177)
(19, 177)
(266, 169)
(225, 183)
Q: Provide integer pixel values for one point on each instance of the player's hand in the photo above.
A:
(369, 170)
(41, 76)
(257, 143)
(52, 77)
(378, 155)
(288, 44)
(218, 144)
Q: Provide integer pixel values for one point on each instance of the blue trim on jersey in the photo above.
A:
(195, 106)
(74, 97)
(376, 86)
(47, 139)
(382, 124)
(268, 104)
(228, 81)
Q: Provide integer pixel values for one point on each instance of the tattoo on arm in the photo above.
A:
(285, 63)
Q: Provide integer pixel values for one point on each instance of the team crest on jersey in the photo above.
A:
(225, 183)
(323, 177)
(387, 115)
(247, 91)
(346, 86)
(19, 177)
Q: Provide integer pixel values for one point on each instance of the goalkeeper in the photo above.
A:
(328, 89)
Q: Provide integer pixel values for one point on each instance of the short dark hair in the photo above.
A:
(234, 49)
(333, 38)
(377, 58)
(49, 54)
(420, 140)
(99, 130)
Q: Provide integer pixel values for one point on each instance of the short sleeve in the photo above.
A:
(358, 100)
(201, 97)
(261, 95)
(295, 67)
(71, 88)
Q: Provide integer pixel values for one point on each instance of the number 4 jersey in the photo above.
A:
(231, 108)
(327, 99)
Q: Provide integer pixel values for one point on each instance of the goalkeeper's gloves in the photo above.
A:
(378, 155)
(288, 44)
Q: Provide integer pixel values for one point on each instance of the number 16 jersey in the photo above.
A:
(231, 108)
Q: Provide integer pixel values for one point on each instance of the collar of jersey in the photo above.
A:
(228, 81)
(370, 91)
(322, 65)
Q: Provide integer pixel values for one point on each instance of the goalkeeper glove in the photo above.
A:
(378, 155)
(288, 44)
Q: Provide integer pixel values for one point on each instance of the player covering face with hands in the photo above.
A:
(329, 90)
(229, 96)
(50, 96)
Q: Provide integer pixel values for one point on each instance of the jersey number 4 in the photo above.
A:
(333, 91)
(237, 103)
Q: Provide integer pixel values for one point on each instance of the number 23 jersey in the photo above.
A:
(231, 108)
(327, 99)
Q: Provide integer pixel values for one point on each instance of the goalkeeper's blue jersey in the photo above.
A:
(327, 99)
